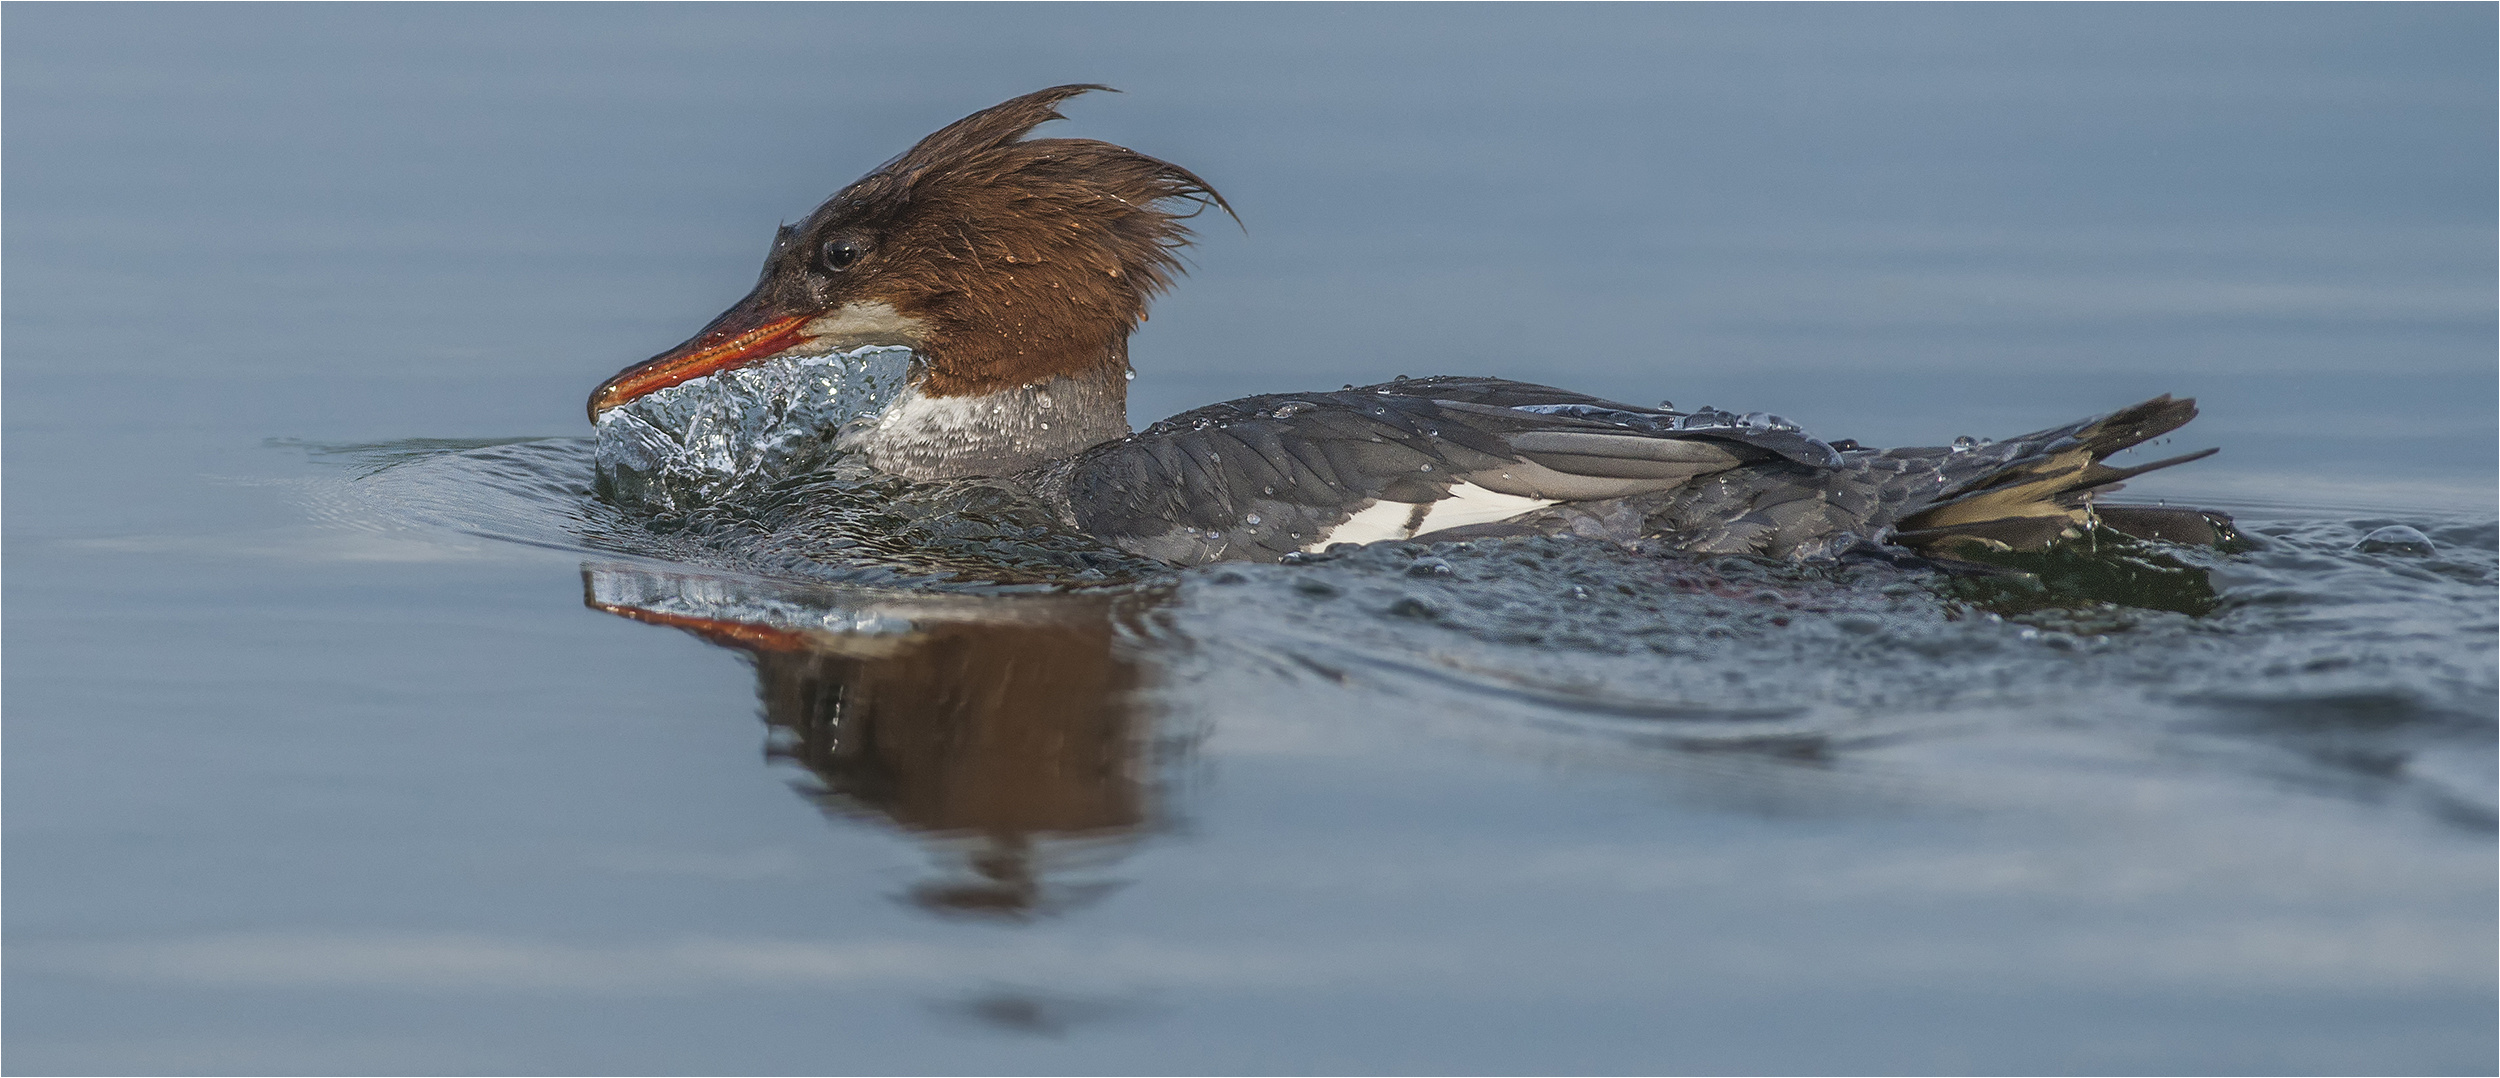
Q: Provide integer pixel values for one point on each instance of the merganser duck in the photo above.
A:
(1015, 269)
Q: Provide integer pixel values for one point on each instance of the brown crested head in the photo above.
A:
(1001, 260)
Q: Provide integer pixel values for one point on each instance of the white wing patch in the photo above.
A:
(1381, 520)
(1465, 504)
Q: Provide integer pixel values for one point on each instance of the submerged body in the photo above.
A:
(1014, 269)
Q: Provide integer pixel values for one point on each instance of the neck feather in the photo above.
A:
(922, 436)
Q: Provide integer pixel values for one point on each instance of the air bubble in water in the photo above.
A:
(2396, 539)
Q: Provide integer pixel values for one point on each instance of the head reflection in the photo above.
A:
(1003, 732)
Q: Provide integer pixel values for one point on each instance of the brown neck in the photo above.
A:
(987, 324)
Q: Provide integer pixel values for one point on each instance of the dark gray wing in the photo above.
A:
(1761, 430)
(2022, 493)
(1261, 477)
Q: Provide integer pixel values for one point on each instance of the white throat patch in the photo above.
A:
(869, 322)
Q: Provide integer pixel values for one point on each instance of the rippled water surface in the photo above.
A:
(2350, 653)
(350, 729)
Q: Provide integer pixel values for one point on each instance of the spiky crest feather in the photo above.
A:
(1025, 259)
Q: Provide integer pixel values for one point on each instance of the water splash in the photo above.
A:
(704, 440)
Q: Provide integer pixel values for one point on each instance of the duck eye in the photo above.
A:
(839, 254)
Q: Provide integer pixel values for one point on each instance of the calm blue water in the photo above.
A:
(336, 741)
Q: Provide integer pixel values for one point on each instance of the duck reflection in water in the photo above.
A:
(1005, 733)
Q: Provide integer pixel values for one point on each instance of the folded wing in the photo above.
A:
(1265, 476)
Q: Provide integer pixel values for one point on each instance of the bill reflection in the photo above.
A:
(1006, 734)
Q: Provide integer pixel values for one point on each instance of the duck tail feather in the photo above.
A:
(2041, 487)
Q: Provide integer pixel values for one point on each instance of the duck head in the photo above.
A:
(1003, 262)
